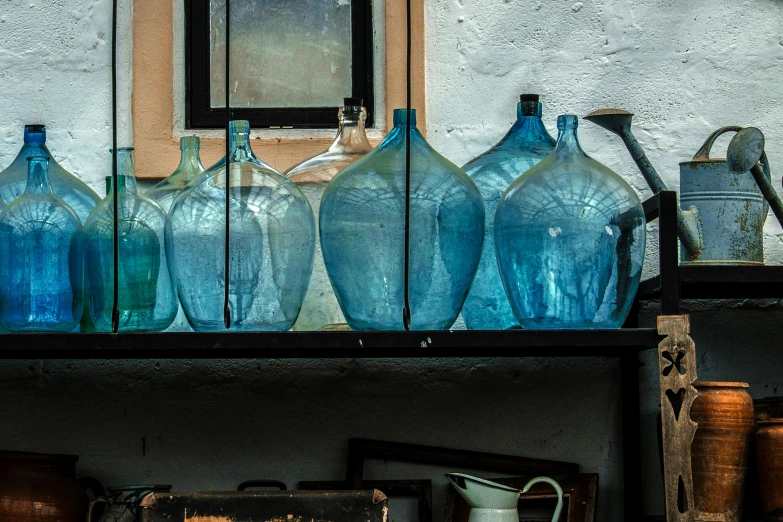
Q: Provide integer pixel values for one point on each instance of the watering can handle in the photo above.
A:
(558, 489)
(704, 152)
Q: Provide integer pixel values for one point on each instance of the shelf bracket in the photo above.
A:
(677, 372)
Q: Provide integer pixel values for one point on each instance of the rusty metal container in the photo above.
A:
(719, 454)
(258, 506)
(729, 208)
(35, 488)
(769, 457)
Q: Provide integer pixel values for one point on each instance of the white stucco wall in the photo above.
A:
(684, 69)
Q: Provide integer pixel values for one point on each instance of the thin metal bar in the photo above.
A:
(227, 263)
(669, 259)
(406, 311)
(115, 309)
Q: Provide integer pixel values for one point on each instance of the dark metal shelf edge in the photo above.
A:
(327, 345)
(721, 282)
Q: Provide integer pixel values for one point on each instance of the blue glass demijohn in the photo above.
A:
(272, 233)
(570, 240)
(147, 302)
(41, 268)
(13, 180)
(189, 169)
(525, 144)
(362, 226)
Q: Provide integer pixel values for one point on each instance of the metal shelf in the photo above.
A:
(330, 345)
(721, 282)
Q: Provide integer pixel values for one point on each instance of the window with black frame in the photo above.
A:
(292, 61)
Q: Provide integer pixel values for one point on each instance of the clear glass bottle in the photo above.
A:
(320, 306)
(271, 250)
(525, 144)
(363, 235)
(189, 169)
(570, 240)
(41, 288)
(13, 180)
(147, 301)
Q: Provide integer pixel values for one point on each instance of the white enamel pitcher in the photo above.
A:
(493, 502)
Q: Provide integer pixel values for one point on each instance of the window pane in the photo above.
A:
(284, 53)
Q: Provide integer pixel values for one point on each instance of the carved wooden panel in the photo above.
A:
(677, 372)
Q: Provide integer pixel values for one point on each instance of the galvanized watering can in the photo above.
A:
(723, 202)
(493, 502)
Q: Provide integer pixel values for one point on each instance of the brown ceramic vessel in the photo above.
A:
(769, 455)
(719, 454)
(36, 488)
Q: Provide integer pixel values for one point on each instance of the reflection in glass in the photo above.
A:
(363, 235)
(271, 249)
(525, 144)
(570, 240)
(320, 307)
(147, 302)
(189, 168)
(283, 53)
(41, 265)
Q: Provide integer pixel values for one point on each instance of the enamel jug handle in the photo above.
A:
(558, 489)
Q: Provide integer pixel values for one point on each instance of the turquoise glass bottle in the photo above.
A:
(13, 180)
(272, 234)
(42, 265)
(312, 176)
(362, 226)
(525, 144)
(147, 302)
(189, 169)
(570, 240)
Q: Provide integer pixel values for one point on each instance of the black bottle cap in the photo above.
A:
(35, 127)
(528, 98)
(353, 102)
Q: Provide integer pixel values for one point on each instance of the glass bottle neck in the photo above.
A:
(567, 138)
(351, 133)
(190, 162)
(239, 145)
(126, 177)
(34, 135)
(38, 176)
(531, 124)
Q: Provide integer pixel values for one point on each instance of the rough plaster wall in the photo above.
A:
(684, 69)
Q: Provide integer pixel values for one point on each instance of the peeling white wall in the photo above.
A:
(684, 68)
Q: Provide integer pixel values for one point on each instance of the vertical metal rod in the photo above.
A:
(227, 263)
(115, 309)
(406, 311)
(668, 255)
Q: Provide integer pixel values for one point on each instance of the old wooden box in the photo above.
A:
(265, 506)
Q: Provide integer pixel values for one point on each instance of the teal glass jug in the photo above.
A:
(570, 240)
(320, 307)
(41, 265)
(147, 302)
(363, 235)
(525, 144)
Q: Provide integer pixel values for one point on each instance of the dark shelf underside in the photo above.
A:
(329, 345)
(722, 282)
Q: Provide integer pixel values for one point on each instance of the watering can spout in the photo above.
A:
(618, 121)
(746, 153)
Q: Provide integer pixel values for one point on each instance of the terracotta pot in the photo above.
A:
(36, 487)
(719, 454)
(769, 456)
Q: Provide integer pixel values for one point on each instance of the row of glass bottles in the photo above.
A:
(566, 253)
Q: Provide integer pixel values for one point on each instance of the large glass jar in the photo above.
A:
(363, 235)
(272, 241)
(525, 144)
(189, 169)
(41, 269)
(320, 306)
(570, 240)
(147, 301)
(13, 180)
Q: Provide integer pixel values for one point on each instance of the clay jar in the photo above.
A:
(769, 453)
(36, 487)
(719, 454)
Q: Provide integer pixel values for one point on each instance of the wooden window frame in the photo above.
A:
(153, 104)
